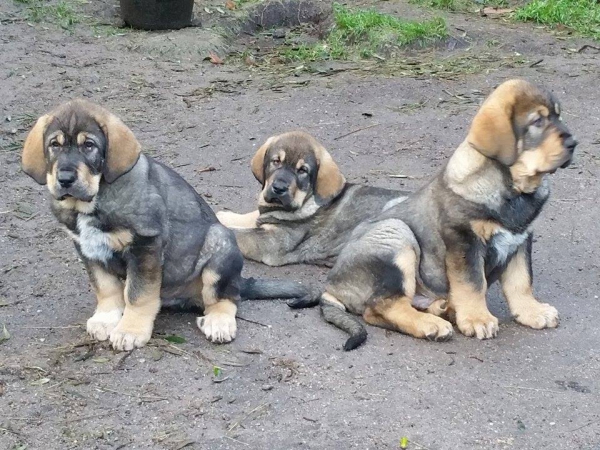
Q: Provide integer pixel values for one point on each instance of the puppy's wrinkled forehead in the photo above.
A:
(293, 147)
(534, 99)
(72, 121)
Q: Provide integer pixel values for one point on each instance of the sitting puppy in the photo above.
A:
(142, 232)
(467, 228)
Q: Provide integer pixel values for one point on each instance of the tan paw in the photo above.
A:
(538, 316)
(102, 323)
(218, 327)
(482, 326)
(434, 328)
(126, 340)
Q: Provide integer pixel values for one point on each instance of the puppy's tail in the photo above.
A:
(335, 313)
(262, 289)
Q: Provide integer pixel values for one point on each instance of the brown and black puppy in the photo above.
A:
(306, 210)
(470, 226)
(143, 233)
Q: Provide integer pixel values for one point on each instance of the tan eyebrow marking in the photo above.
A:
(300, 163)
(60, 137)
(81, 137)
(281, 155)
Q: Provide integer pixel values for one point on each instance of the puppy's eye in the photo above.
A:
(537, 122)
(54, 144)
(89, 145)
(303, 170)
(276, 161)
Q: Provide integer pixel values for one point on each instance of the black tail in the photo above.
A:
(261, 289)
(346, 322)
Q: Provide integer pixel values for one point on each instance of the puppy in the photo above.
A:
(470, 226)
(142, 232)
(306, 210)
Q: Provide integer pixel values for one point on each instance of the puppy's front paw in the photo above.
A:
(228, 218)
(482, 326)
(126, 340)
(102, 323)
(218, 327)
(538, 316)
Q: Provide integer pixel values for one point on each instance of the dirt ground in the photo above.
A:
(285, 382)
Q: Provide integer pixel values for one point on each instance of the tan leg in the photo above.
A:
(398, 314)
(218, 323)
(135, 327)
(516, 285)
(111, 302)
(468, 301)
(234, 220)
(142, 298)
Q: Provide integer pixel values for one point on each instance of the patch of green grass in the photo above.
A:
(364, 33)
(241, 3)
(460, 5)
(582, 16)
(61, 13)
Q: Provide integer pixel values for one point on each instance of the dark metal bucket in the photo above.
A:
(157, 14)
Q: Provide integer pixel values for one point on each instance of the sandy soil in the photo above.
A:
(287, 382)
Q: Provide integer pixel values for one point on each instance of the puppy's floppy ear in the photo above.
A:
(123, 148)
(33, 159)
(258, 161)
(330, 180)
(492, 132)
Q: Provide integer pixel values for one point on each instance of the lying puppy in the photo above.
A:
(467, 228)
(142, 232)
(306, 210)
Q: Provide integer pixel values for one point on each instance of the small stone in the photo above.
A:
(279, 34)
(267, 387)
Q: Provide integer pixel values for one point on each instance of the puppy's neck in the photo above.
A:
(76, 205)
(474, 176)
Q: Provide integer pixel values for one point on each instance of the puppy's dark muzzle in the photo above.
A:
(278, 192)
(66, 177)
(570, 143)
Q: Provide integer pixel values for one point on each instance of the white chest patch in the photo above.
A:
(506, 243)
(93, 242)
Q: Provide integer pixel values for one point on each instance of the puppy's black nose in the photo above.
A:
(279, 188)
(569, 142)
(66, 177)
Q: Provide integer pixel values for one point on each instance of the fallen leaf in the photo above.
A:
(220, 10)
(215, 59)
(40, 382)
(230, 5)
(492, 11)
(217, 371)
(182, 444)
(101, 360)
(250, 61)
(5, 336)
(174, 339)
(403, 442)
